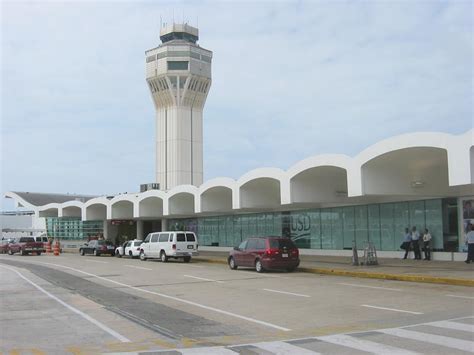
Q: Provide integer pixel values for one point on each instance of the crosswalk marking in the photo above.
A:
(364, 345)
(453, 325)
(282, 348)
(204, 351)
(449, 342)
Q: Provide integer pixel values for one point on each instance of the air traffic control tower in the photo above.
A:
(178, 73)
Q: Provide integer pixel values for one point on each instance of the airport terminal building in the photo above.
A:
(324, 203)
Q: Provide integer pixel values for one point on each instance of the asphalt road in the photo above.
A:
(105, 304)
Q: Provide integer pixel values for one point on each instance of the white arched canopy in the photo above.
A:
(319, 184)
(261, 192)
(122, 210)
(72, 211)
(418, 170)
(150, 207)
(96, 211)
(49, 212)
(216, 199)
(181, 203)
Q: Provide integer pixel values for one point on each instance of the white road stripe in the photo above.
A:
(203, 351)
(466, 297)
(374, 287)
(138, 267)
(449, 342)
(282, 348)
(75, 310)
(364, 345)
(202, 278)
(286, 293)
(453, 325)
(97, 261)
(217, 310)
(390, 309)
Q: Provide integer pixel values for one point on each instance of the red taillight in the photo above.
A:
(295, 252)
(272, 251)
(174, 246)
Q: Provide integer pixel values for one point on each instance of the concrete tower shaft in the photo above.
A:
(178, 73)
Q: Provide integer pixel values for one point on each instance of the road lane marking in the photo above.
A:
(214, 350)
(75, 310)
(375, 287)
(202, 278)
(97, 261)
(138, 267)
(283, 348)
(217, 310)
(390, 309)
(286, 293)
(466, 297)
(453, 325)
(449, 342)
(364, 345)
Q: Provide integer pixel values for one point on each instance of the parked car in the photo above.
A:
(264, 253)
(130, 248)
(25, 246)
(4, 244)
(98, 247)
(165, 245)
(42, 238)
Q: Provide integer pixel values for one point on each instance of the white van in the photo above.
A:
(166, 245)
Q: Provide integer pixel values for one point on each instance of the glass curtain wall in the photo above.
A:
(326, 228)
(72, 228)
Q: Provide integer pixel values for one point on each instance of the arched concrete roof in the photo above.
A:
(217, 192)
(122, 206)
(49, 210)
(69, 209)
(259, 188)
(151, 202)
(458, 156)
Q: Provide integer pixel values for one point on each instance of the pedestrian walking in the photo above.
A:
(470, 245)
(427, 244)
(415, 239)
(406, 244)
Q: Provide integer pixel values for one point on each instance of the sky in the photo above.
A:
(290, 80)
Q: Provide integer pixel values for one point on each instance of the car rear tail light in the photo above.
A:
(272, 252)
(294, 252)
(174, 246)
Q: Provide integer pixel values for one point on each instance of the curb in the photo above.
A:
(370, 275)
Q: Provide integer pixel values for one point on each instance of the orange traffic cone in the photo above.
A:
(48, 247)
(56, 248)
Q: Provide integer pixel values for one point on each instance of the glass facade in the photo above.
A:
(72, 228)
(325, 228)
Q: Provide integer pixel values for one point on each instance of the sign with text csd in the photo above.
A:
(117, 222)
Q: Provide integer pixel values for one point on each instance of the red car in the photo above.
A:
(25, 246)
(265, 253)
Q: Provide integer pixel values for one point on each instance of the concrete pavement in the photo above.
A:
(439, 272)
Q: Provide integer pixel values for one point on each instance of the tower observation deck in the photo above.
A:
(178, 74)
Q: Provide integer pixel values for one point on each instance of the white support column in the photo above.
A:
(140, 230)
(106, 229)
(164, 224)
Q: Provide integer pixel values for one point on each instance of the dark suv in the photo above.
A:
(265, 253)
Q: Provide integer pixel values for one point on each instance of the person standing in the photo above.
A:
(427, 244)
(406, 242)
(470, 245)
(415, 239)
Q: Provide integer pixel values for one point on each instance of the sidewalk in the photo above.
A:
(440, 272)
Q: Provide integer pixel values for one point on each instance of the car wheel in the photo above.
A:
(96, 252)
(117, 254)
(232, 263)
(130, 254)
(163, 257)
(81, 251)
(258, 266)
(10, 252)
(142, 255)
(291, 269)
(38, 253)
(187, 259)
